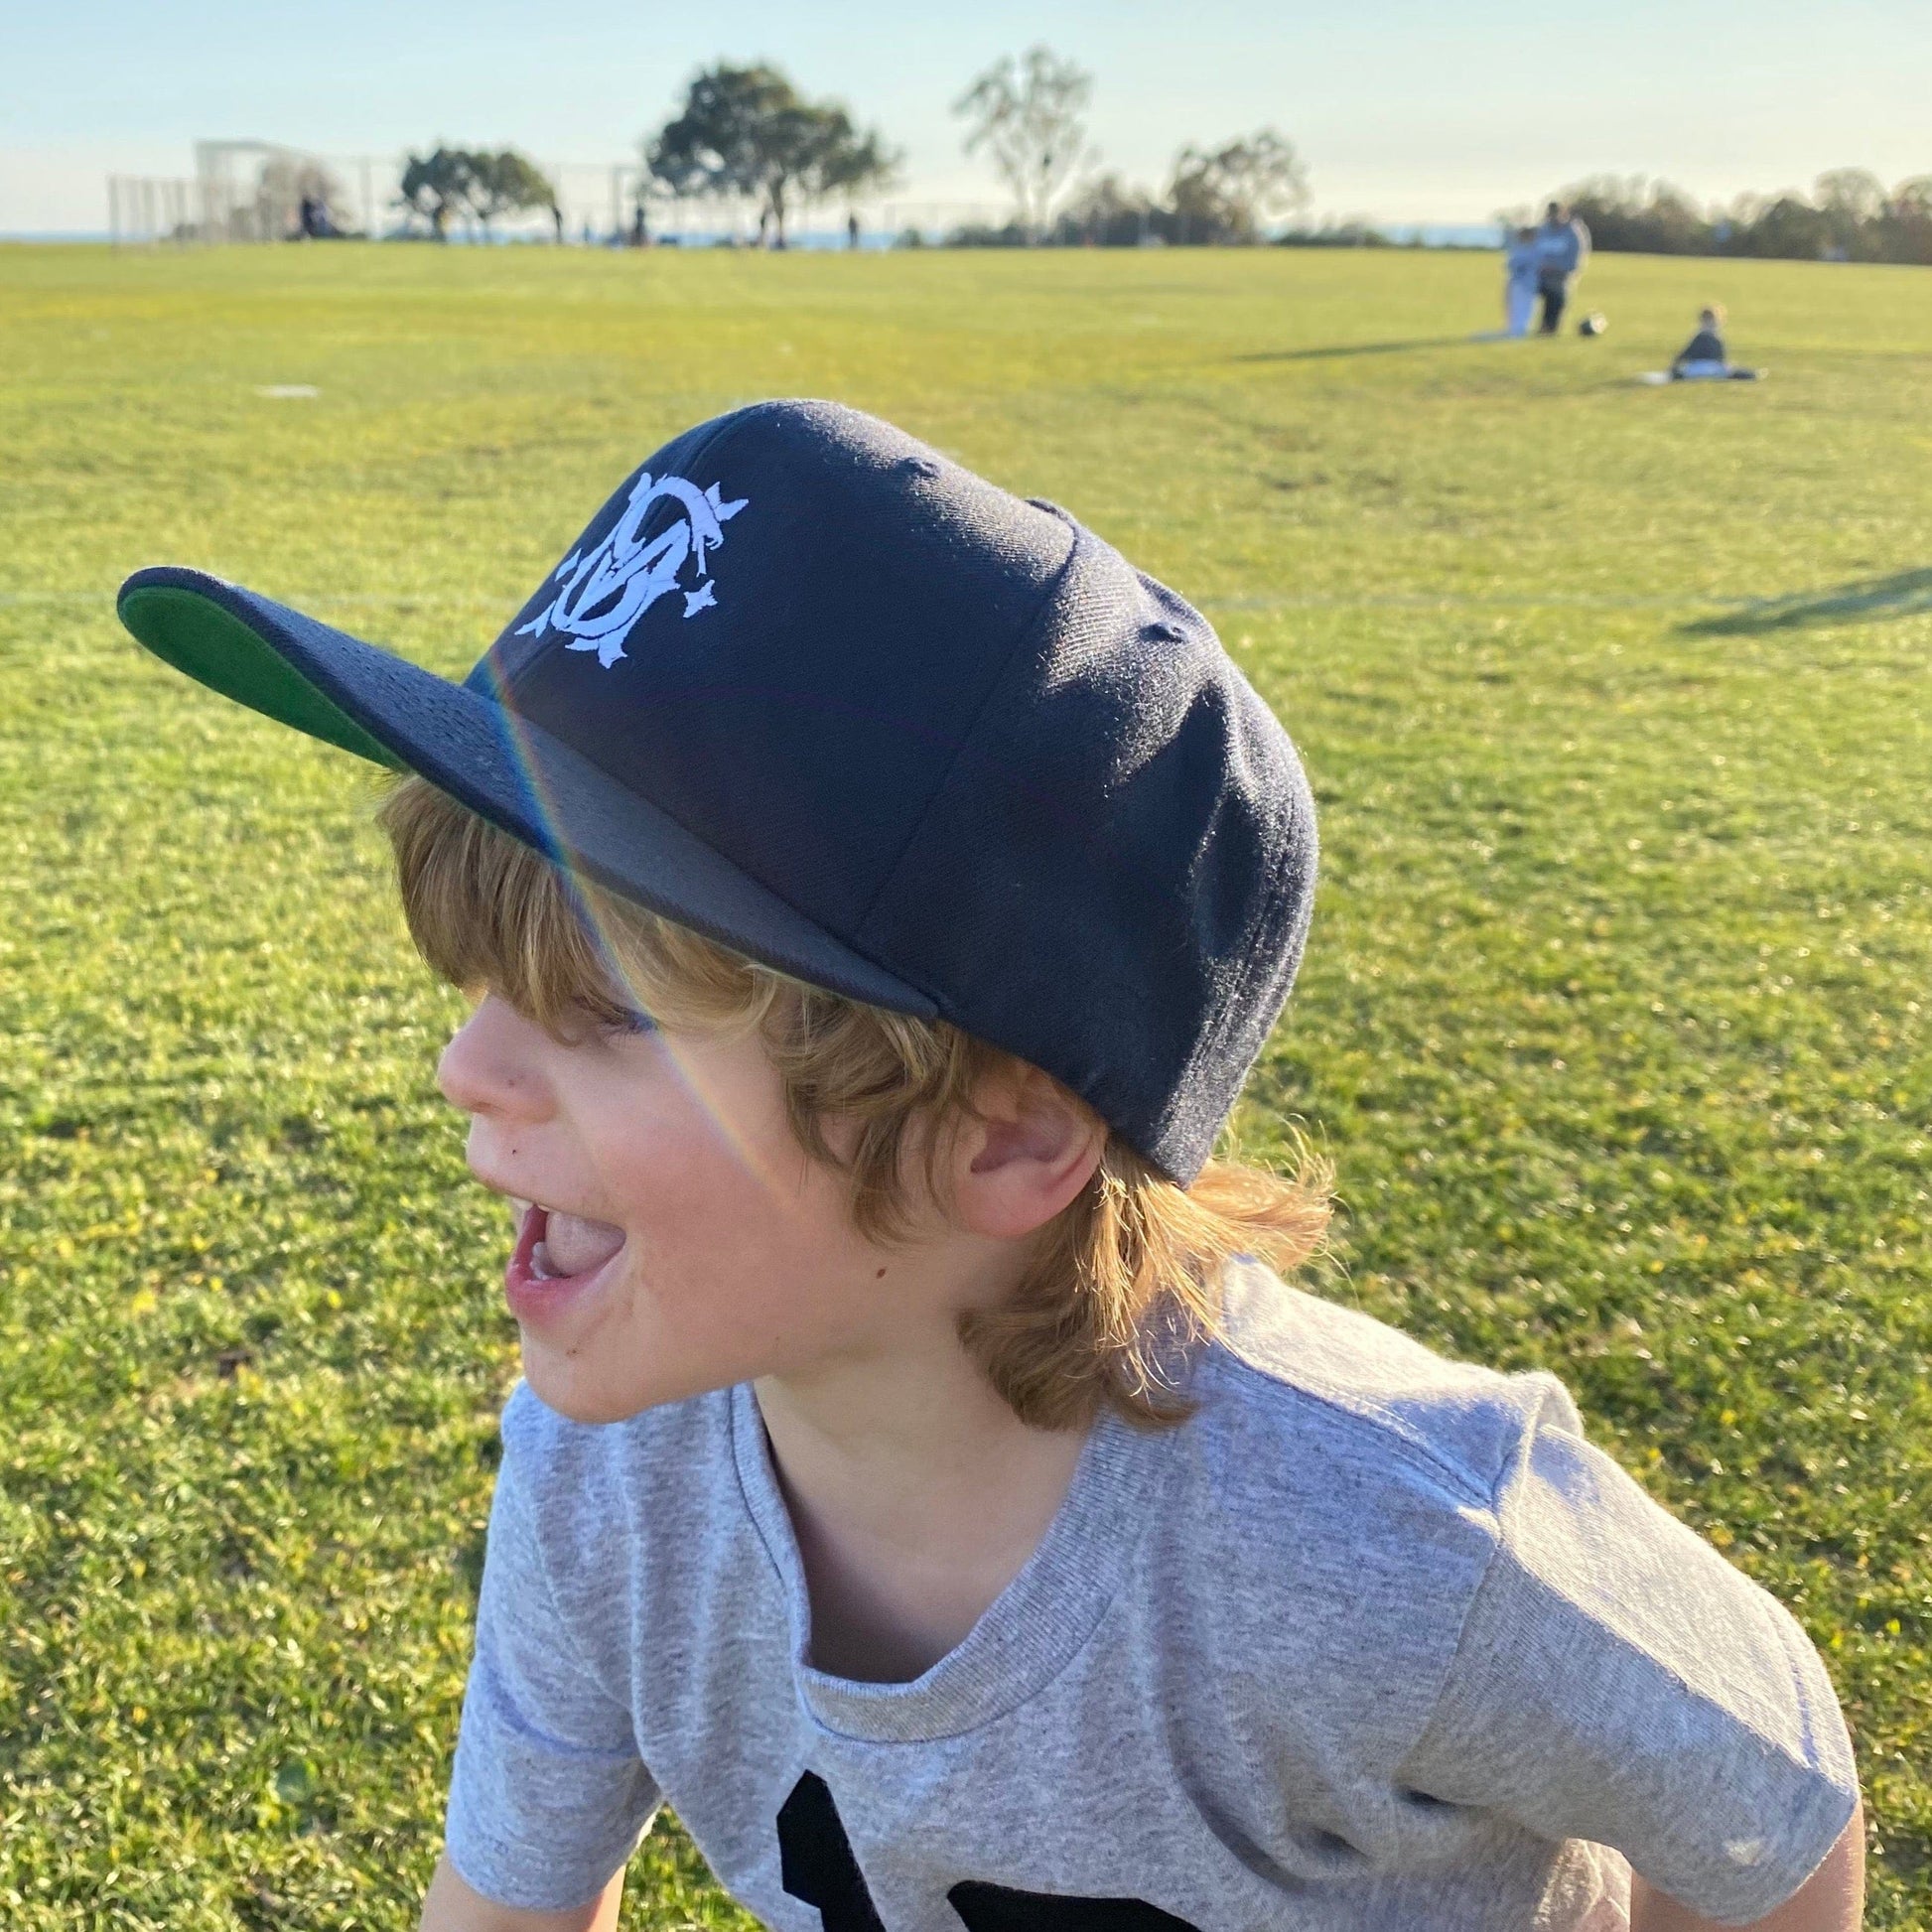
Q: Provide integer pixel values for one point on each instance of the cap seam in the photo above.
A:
(1212, 1034)
(1023, 637)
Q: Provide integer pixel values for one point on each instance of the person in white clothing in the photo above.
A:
(1519, 281)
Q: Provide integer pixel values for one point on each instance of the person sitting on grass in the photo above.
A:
(925, 1478)
(1703, 358)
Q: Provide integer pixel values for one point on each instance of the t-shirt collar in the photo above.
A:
(1032, 1629)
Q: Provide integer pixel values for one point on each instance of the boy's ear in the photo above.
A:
(1032, 1150)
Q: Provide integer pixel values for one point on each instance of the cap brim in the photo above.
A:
(350, 694)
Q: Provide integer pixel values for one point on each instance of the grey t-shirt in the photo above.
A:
(1372, 1642)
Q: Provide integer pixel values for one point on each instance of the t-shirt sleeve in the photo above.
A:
(1617, 1680)
(549, 1795)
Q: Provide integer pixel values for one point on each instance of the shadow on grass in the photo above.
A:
(1348, 349)
(1868, 600)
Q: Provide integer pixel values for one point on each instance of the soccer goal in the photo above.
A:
(252, 191)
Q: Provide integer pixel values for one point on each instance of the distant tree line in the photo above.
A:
(746, 134)
(1218, 197)
(1849, 215)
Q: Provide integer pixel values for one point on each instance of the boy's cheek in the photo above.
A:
(712, 1185)
(686, 1200)
(730, 1285)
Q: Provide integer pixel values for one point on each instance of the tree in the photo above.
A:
(1785, 228)
(746, 132)
(1911, 201)
(1110, 214)
(1853, 203)
(1852, 193)
(435, 185)
(1029, 114)
(1907, 227)
(1640, 216)
(503, 182)
(1227, 195)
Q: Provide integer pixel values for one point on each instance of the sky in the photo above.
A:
(1405, 110)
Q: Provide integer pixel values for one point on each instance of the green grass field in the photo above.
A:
(1615, 1019)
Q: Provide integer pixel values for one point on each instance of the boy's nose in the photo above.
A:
(491, 1068)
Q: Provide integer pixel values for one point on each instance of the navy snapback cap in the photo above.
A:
(815, 691)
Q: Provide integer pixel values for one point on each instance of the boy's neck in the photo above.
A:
(915, 1495)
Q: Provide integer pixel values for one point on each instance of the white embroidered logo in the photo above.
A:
(607, 589)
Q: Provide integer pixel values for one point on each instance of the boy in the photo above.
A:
(877, 892)
(1704, 357)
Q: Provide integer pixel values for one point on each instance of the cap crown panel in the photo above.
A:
(862, 600)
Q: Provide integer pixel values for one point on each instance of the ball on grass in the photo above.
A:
(1593, 324)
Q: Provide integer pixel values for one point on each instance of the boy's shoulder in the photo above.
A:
(1345, 1494)
(1300, 1377)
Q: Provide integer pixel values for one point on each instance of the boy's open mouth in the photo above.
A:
(559, 1246)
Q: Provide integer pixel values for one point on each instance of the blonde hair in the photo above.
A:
(1122, 1284)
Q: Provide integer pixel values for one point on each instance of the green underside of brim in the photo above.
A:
(214, 647)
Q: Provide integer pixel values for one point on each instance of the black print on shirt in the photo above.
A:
(816, 1864)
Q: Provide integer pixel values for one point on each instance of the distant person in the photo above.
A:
(1561, 250)
(852, 230)
(1704, 357)
(1519, 281)
(639, 232)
